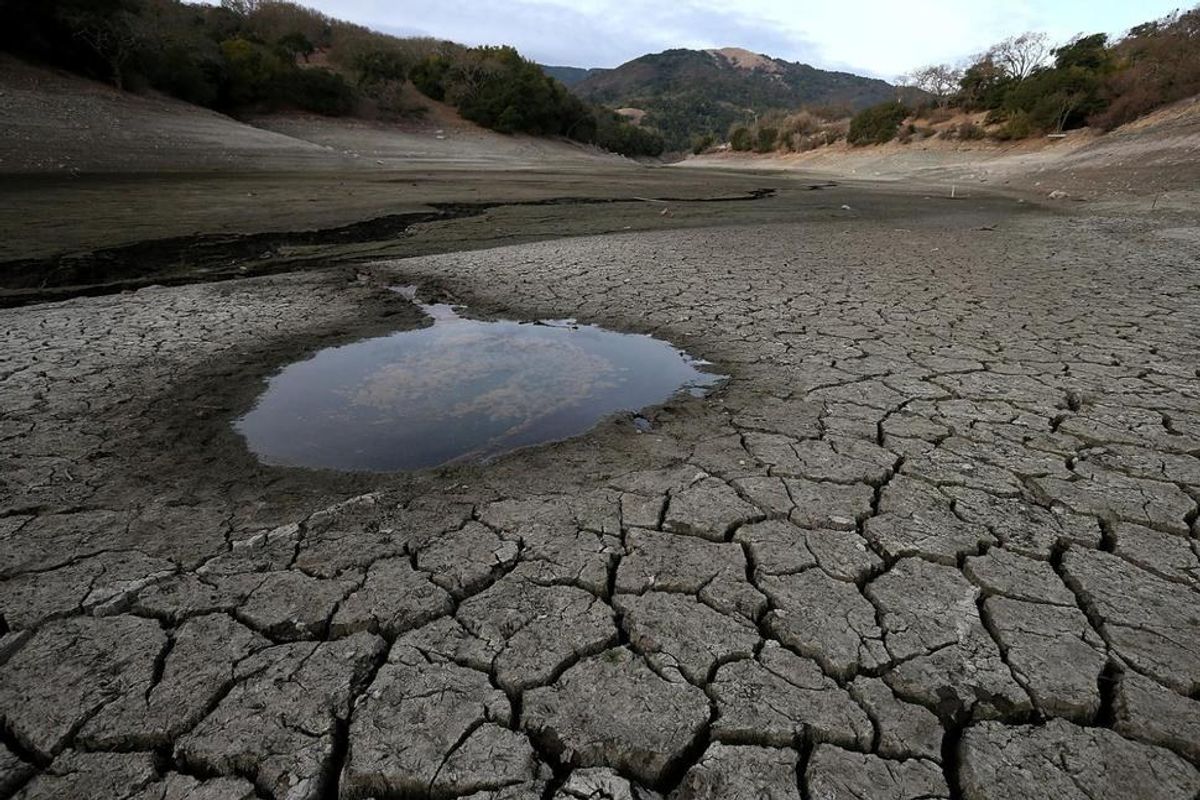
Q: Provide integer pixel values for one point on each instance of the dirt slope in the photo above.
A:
(1157, 154)
(54, 122)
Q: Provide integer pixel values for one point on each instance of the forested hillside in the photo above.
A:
(268, 55)
(1030, 85)
(1024, 86)
(691, 94)
(570, 76)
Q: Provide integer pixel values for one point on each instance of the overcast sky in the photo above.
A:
(883, 38)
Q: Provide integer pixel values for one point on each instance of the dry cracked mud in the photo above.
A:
(936, 537)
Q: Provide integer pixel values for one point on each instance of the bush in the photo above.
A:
(296, 44)
(969, 132)
(496, 88)
(938, 115)
(193, 74)
(703, 143)
(877, 124)
(252, 71)
(379, 67)
(429, 76)
(1018, 126)
(1057, 99)
(765, 141)
(804, 123)
(614, 133)
(317, 90)
(741, 139)
(1160, 65)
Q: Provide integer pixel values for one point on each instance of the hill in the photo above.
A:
(1153, 157)
(688, 94)
(249, 57)
(54, 122)
(570, 76)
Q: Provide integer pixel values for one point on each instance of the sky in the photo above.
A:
(881, 38)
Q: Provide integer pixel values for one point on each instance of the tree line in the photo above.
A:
(1025, 84)
(1029, 86)
(267, 55)
(496, 88)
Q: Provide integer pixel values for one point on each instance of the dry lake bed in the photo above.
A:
(934, 535)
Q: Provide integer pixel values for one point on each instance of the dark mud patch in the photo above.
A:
(180, 440)
(182, 260)
(215, 257)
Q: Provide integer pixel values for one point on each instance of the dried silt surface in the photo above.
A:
(935, 537)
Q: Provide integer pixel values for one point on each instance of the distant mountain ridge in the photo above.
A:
(687, 94)
(569, 76)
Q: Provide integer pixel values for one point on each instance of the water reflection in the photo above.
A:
(460, 390)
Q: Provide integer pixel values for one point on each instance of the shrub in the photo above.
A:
(836, 131)
(496, 88)
(969, 132)
(1160, 65)
(765, 141)
(193, 74)
(741, 139)
(703, 143)
(296, 44)
(938, 115)
(429, 76)
(252, 71)
(615, 134)
(877, 124)
(379, 67)
(804, 123)
(1018, 126)
(391, 102)
(317, 90)
(1057, 99)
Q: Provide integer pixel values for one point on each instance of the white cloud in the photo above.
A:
(878, 37)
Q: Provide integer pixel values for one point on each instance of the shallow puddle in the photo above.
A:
(461, 390)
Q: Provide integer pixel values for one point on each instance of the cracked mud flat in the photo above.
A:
(937, 536)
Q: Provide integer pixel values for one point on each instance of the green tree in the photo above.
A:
(251, 70)
(877, 124)
(1065, 95)
(431, 75)
(1087, 53)
(378, 67)
(984, 85)
(297, 44)
(616, 135)
(318, 90)
(114, 32)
